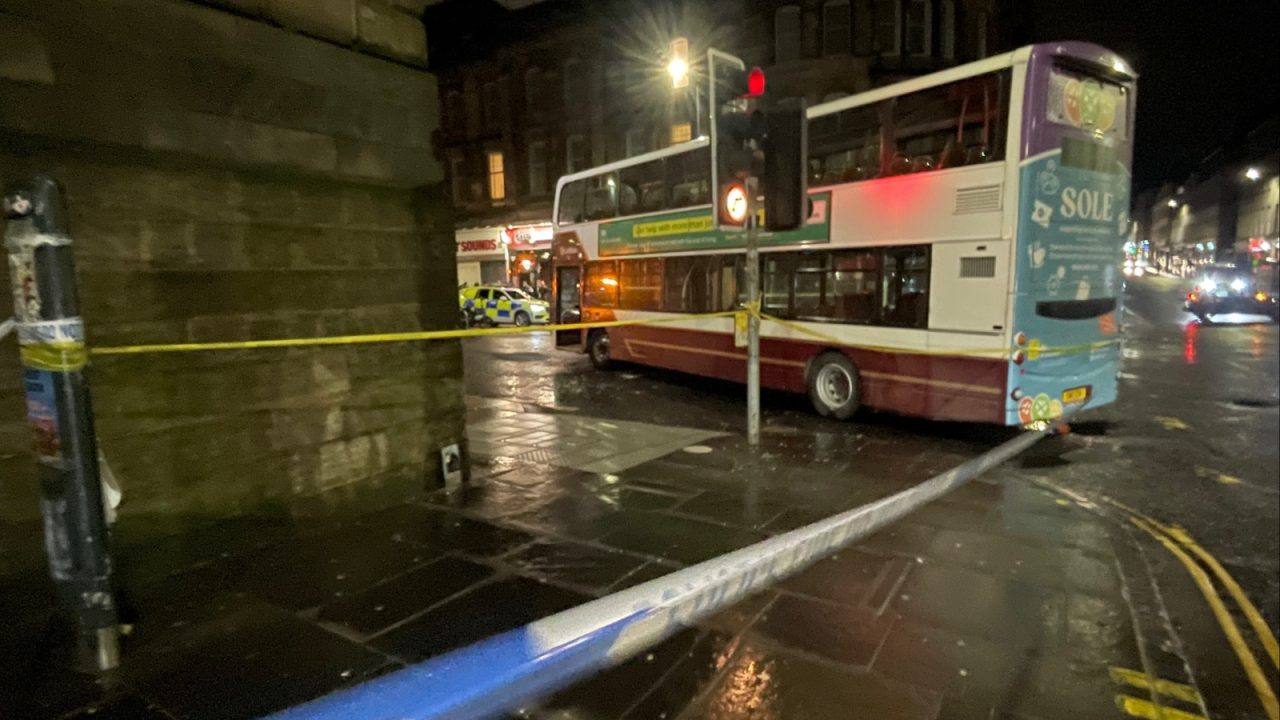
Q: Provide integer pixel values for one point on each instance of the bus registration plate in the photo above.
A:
(1076, 395)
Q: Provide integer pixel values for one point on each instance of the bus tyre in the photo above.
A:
(598, 350)
(522, 319)
(833, 386)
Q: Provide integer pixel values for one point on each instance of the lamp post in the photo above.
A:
(679, 70)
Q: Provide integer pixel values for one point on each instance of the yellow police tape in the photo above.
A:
(385, 337)
(739, 315)
(67, 356)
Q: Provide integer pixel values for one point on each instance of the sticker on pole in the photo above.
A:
(42, 414)
(26, 296)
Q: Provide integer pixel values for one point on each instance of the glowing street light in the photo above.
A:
(1253, 174)
(1173, 203)
(678, 65)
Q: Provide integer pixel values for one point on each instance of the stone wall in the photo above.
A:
(230, 179)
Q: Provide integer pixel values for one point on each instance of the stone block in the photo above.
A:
(327, 19)
(23, 55)
(413, 7)
(387, 31)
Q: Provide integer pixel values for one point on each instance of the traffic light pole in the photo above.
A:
(752, 278)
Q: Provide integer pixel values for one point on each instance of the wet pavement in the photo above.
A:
(1024, 595)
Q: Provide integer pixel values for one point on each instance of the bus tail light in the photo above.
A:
(1019, 357)
(1020, 338)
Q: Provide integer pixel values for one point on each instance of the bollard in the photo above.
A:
(51, 343)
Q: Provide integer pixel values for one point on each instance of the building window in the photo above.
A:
(636, 142)
(919, 27)
(863, 28)
(532, 79)
(575, 151)
(836, 36)
(572, 81)
(681, 132)
(454, 114)
(492, 102)
(981, 42)
(948, 30)
(888, 26)
(786, 33)
(458, 180)
(472, 103)
(497, 177)
(615, 82)
(538, 168)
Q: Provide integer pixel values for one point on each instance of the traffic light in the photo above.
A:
(786, 198)
(736, 131)
(749, 144)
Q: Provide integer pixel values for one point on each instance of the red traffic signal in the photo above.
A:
(733, 204)
(755, 82)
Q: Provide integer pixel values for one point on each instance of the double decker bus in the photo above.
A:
(960, 261)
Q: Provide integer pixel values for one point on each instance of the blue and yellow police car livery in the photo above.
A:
(504, 305)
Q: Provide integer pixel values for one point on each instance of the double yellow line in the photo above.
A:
(1179, 543)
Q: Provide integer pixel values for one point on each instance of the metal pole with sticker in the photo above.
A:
(51, 344)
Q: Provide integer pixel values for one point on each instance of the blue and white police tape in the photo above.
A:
(507, 671)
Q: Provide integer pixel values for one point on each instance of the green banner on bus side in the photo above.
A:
(694, 230)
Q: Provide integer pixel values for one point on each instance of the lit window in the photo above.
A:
(681, 132)
(497, 178)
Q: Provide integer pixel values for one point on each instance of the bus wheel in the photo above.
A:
(598, 349)
(833, 386)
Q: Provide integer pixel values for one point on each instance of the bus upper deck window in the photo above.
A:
(571, 202)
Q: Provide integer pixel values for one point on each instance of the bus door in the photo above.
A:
(568, 304)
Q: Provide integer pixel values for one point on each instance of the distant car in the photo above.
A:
(498, 305)
(1226, 289)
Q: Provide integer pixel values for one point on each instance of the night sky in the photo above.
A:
(1208, 71)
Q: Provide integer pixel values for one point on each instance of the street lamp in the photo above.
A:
(678, 69)
(1253, 174)
(1173, 203)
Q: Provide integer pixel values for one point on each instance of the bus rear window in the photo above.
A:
(1075, 309)
(1088, 103)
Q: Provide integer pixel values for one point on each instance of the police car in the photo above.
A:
(498, 305)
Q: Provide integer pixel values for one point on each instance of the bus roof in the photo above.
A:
(698, 142)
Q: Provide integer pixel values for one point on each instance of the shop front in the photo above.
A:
(482, 256)
(529, 247)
